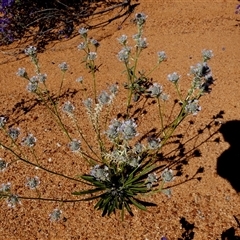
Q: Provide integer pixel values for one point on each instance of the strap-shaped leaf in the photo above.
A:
(127, 206)
(137, 204)
(88, 191)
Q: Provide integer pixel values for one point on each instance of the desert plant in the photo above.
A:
(124, 165)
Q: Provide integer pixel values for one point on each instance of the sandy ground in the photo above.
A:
(206, 208)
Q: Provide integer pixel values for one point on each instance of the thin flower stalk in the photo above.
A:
(37, 165)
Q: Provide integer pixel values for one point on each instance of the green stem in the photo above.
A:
(160, 115)
(39, 166)
(44, 199)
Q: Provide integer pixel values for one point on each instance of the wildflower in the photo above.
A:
(42, 77)
(207, 54)
(136, 36)
(101, 173)
(142, 43)
(14, 133)
(133, 162)
(83, 31)
(155, 90)
(33, 182)
(113, 89)
(192, 107)
(82, 46)
(113, 129)
(104, 98)
(151, 179)
(138, 148)
(68, 107)
(122, 40)
(32, 86)
(79, 79)
(140, 19)
(173, 77)
(75, 145)
(124, 54)
(13, 200)
(3, 120)
(128, 129)
(33, 79)
(88, 103)
(95, 42)
(3, 165)
(161, 56)
(29, 141)
(31, 51)
(63, 66)
(167, 175)
(5, 187)
(167, 192)
(154, 143)
(92, 56)
(22, 72)
(55, 215)
(202, 70)
(164, 97)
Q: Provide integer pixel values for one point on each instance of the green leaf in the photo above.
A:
(137, 204)
(127, 206)
(88, 191)
(142, 173)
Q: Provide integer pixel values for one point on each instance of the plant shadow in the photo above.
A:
(42, 22)
(228, 163)
(188, 233)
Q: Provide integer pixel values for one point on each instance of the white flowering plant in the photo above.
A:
(125, 166)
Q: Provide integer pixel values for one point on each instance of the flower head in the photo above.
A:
(88, 103)
(32, 182)
(101, 173)
(161, 56)
(68, 107)
(29, 141)
(63, 66)
(104, 98)
(75, 145)
(14, 133)
(42, 77)
(3, 165)
(82, 46)
(32, 86)
(31, 51)
(141, 43)
(173, 77)
(95, 42)
(151, 179)
(192, 107)
(83, 31)
(13, 200)
(154, 143)
(122, 40)
(113, 129)
(167, 175)
(128, 129)
(5, 187)
(3, 120)
(55, 215)
(92, 56)
(21, 72)
(140, 19)
(207, 54)
(124, 54)
(155, 90)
